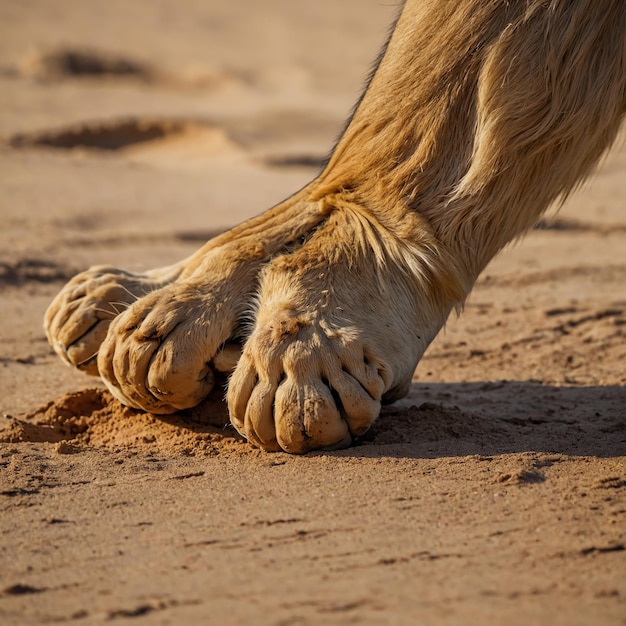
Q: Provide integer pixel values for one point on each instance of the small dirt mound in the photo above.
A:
(114, 135)
(307, 161)
(109, 135)
(82, 62)
(92, 65)
(151, 140)
(93, 418)
(23, 271)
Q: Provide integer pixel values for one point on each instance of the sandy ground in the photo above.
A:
(495, 493)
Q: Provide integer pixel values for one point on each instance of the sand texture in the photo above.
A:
(495, 493)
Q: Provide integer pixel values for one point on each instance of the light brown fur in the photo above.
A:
(481, 113)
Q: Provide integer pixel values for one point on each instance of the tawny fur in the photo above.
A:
(480, 115)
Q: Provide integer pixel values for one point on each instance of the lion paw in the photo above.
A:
(342, 317)
(335, 336)
(161, 354)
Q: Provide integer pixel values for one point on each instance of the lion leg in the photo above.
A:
(461, 141)
(479, 116)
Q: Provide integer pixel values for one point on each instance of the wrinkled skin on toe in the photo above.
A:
(335, 335)
(158, 354)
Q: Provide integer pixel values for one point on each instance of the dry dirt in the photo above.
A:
(495, 493)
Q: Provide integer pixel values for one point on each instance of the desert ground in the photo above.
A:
(495, 493)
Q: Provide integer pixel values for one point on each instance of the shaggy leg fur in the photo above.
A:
(480, 114)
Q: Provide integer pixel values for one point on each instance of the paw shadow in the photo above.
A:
(491, 418)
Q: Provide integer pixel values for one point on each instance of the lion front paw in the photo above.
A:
(336, 334)
(161, 354)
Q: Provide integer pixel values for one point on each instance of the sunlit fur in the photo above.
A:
(482, 113)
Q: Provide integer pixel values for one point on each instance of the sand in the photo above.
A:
(494, 493)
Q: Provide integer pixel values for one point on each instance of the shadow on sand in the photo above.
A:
(491, 418)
